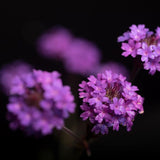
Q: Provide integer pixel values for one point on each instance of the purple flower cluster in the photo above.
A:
(9, 71)
(140, 41)
(39, 102)
(109, 101)
(73, 52)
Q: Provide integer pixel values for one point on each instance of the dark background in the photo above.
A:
(22, 24)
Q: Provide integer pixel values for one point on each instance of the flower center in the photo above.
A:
(113, 91)
(33, 97)
(150, 40)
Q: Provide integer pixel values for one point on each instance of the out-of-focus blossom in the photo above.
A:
(109, 101)
(115, 67)
(82, 57)
(39, 102)
(78, 55)
(9, 71)
(54, 43)
(139, 41)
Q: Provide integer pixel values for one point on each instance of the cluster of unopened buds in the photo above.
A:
(39, 102)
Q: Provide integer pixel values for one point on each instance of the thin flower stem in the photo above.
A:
(83, 142)
(70, 132)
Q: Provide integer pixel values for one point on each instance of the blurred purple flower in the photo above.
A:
(9, 71)
(139, 41)
(115, 67)
(78, 55)
(109, 101)
(81, 57)
(54, 43)
(39, 102)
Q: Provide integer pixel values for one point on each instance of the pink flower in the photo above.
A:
(109, 101)
(39, 102)
(144, 43)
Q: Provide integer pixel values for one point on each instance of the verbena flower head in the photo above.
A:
(53, 43)
(115, 67)
(139, 41)
(39, 102)
(9, 71)
(81, 57)
(109, 101)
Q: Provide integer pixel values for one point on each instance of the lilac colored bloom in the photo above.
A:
(124, 37)
(54, 43)
(81, 57)
(147, 52)
(39, 102)
(152, 65)
(9, 71)
(115, 67)
(158, 32)
(130, 48)
(138, 32)
(100, 128)
(144, 43)
(109, 101)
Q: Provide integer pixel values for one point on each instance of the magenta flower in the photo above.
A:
(109, 101)
(54, 43)
(124, 37)
(39, 102)
(130, 48)
(81, 57)
(138, 32)
(9, 71)
(152, 65)
(139, 41)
